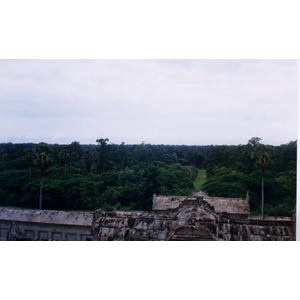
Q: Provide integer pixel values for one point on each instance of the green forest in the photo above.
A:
(119, 176)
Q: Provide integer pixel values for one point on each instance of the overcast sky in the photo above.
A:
(195, 102)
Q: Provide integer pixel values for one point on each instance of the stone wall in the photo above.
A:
(191, 219)
(26, 224)
(232, 206)
(255, 229)
(166, 202)
(130, 226)
(237, 206)
(120, 226)
(194, 218)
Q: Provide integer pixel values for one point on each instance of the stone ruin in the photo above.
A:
(173, 218)
(194, 218)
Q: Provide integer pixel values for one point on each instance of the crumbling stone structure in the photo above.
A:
(173, 218)
(195, 218)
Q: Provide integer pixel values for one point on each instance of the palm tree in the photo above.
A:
(259, 153)
(263, 161)
(42, 161)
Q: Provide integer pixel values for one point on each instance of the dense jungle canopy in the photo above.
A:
(119, 176)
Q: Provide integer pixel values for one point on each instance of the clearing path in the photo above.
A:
(200, 180)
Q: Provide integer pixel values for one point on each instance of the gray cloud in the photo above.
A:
(157, 101)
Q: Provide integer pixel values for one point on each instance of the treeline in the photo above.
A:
(242, 170)
(106, 175)
(87, 177)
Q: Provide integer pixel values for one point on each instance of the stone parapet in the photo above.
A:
(46, 216)
(27, 224)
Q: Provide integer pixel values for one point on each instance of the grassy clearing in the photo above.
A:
(200, 180)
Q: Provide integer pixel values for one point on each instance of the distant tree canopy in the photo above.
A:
(111, 176)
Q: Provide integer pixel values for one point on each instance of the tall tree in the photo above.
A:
(93, 159)
(75, 150)
(103, 153)
(43, 158)
(255, 141)
(260, 154)
(263, 161)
